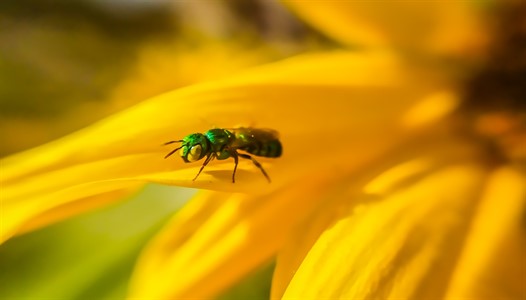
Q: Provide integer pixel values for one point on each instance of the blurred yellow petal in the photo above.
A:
(431, 109)
(437, 27)
(305, 233)
(162, 67)
(338, 199)
(400, 247)
(341, 94)
(58, 213)
(219, 238)
(366, 186)
(43, 209)
(492, 262)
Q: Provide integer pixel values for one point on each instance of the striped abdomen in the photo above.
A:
(263, 148)
(260, 142)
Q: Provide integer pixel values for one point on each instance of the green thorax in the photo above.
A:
(219, 140)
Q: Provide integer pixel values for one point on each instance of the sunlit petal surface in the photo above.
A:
(438, 27)
(399, 246)
(341, 94)
(370, 185)
(219, 238)
(492, 262)
(340, 197)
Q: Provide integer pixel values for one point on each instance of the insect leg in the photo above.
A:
(208, 159)
(255, 163)
(234, 155)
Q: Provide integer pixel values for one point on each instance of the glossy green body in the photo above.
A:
(219, 140)
(221, 144)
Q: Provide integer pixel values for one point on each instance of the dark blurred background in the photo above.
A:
(65, 64)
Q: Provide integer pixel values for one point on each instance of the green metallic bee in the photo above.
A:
(224, 143)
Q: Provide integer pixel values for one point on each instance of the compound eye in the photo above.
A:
(195, 153)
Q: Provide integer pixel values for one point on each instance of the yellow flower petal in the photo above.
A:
(306, 234)
(166, 65)
(341, 93)
(492, 262)
(438, 27)
(219, 238)
(58, 213)
(20, 216)
(389, 248)
(358, 189)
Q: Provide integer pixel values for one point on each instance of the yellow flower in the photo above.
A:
(383, 190)
(411, 27)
